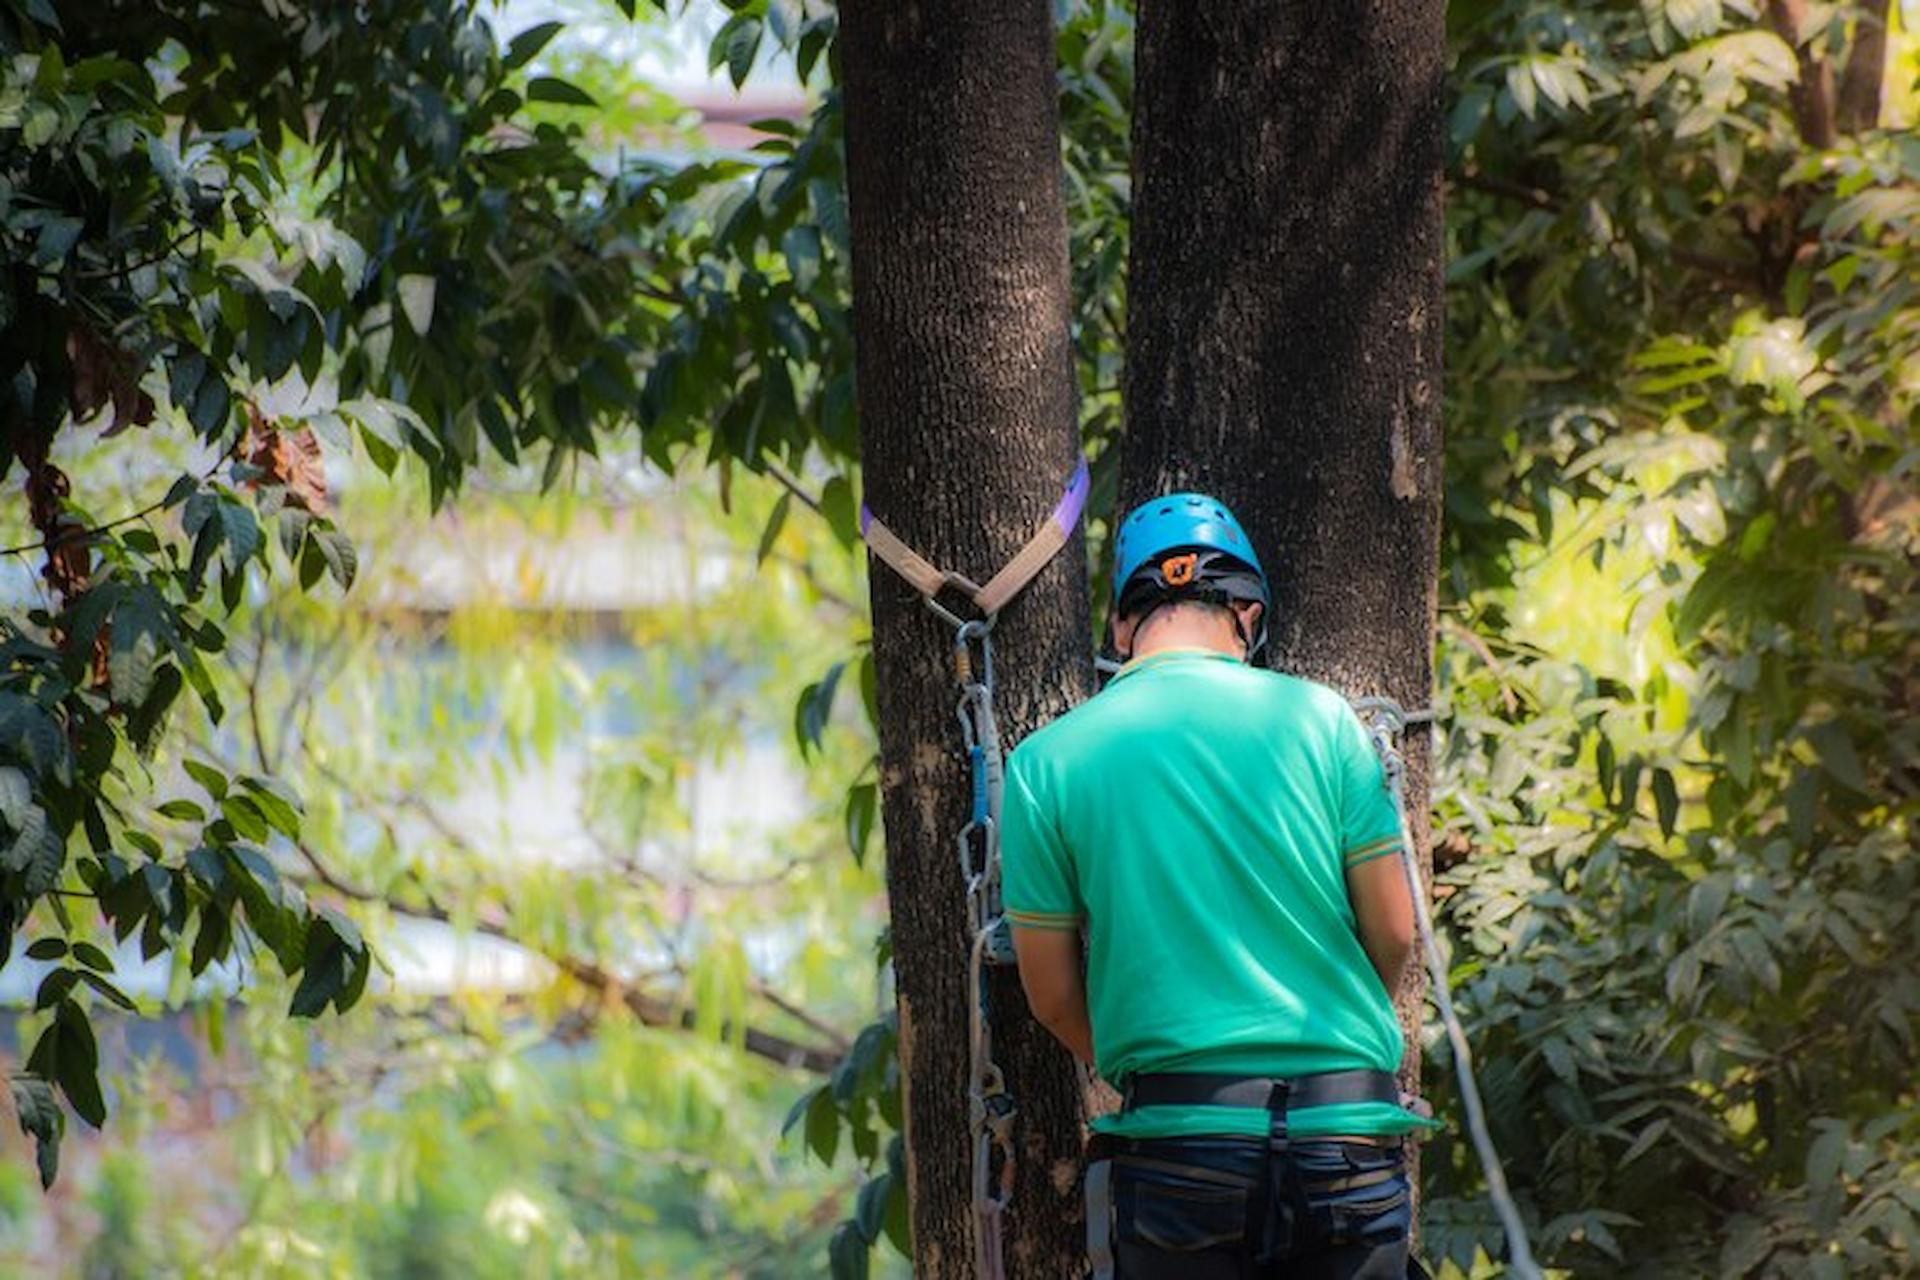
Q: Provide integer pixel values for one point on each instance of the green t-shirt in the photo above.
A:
(1196, 818)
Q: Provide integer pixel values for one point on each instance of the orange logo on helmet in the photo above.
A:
(1178, 570)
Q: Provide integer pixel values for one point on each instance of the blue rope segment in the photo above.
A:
(977, 756)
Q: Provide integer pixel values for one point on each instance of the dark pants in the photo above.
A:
(1226, 1209)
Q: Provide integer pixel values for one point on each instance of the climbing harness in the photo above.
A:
(991, 1110)
(1386, 720)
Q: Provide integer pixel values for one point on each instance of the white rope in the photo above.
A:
(1388, 719)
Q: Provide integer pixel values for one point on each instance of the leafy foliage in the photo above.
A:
(1687, 928)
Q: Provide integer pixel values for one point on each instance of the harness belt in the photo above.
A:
(1204, 1089)
(1273, 1094)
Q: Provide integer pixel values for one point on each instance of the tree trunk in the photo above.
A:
(1285, 326)
(1858, 107)
(1813, 92)
(966, 393)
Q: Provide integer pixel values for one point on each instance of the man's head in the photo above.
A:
(1183, 562)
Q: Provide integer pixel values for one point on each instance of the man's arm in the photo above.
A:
(1050, 975)
(1383, 912)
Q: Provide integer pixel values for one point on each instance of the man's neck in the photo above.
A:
(1187, 629)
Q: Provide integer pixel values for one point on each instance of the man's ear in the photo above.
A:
(1123, 629)
(1249, 612)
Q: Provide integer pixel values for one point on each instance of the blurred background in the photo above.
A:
(568, 749)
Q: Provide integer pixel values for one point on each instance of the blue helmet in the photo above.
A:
(1180, 522)
(1187, 544)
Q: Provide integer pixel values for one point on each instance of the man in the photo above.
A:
(1224, 837)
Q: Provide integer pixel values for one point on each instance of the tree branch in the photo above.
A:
(650, 1009)
(1813, 95)
(792, 486)
(1862, 81)
(1749, 276)
(127, 269)
(1532, 197)
(96, 530)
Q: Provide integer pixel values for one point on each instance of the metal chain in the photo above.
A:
(990, 1107)
(1386, 721)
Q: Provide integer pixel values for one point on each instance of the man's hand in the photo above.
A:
(1384, 914)
(1050, 975)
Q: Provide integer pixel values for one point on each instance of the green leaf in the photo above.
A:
(848, 1255)
(776, 521)
(1666, 800)
(214, 781)
(1825, 1153)
(869, 688)
(829, 202)
(549, 89)
(78, 1071)
(870, 1206)
(143, 726)
(108, 990)
(335, 966)
(839, 419)
(185, 372)
(1643, 1143)
(313, 563)
(841, 511)
(38, 851)
(742, 46)
(212, 941)
(862, 802)
(212, 402)
(1834, 746)
(16, 796)
(1520, 87)
(141, 630)
(823, 1126)
(246, 816)
(524, 47)
(342, 561)
(815, 708)
(801, 247)
(183, 810)
(797, 1110)
(239, 532)
(898, 1228)
(42, 1120)
(277, 803)
(416, 300)
(274, 910)
(1705, 903)
(47, 949)
(93, 957)
(322, 978)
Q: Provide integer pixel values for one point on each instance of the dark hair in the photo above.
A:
(1141, 605)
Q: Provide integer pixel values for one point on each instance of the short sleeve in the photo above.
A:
(1036, 875)
(1369, 824)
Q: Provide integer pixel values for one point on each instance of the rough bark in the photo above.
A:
(966, 395)
(1285, 327)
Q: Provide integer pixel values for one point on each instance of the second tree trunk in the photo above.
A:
(1284, 328)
